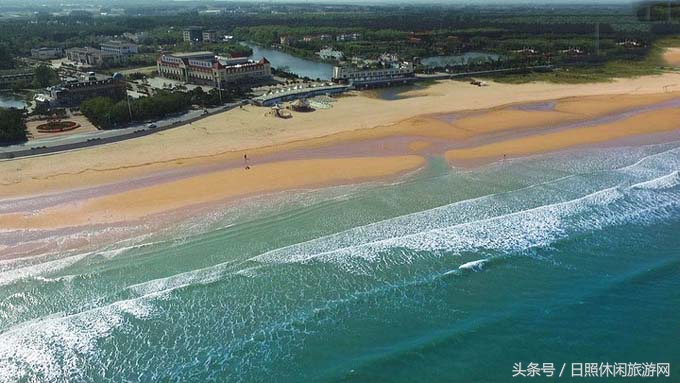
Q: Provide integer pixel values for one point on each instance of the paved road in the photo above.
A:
(99, 137)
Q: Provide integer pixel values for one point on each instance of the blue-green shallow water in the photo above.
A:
(581, 258)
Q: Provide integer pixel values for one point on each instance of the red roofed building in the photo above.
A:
(204, 68)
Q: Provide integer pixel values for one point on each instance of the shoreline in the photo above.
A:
(201, 164)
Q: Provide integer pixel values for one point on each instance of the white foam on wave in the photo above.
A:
(41, 265)
(167, 284)
(50, 347)
(665, 182)
(13, 275)
(476, 266)
(654, 164)
(509, 232)
(513, 232)
(402, 229)
(112, 253)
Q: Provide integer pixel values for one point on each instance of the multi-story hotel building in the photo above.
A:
(204, 68)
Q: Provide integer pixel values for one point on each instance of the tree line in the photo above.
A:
(105, 113)
(12, 126)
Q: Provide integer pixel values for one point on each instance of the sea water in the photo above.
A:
(444, 275)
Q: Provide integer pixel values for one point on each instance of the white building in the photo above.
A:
(120, 48)
(330, 54)
(348, 37)
(46, 53)
(95, 57)
(349, 74)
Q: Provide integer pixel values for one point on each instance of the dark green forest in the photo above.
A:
(12, 126)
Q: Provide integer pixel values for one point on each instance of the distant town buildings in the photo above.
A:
(136, 37)
(287, 40)
(8, 80)
(95, 57)
(199, 34)
(358, 76)
(204, 68)
(629, 44)
(348, 37)
(573, 51)
(120, 48)
(526, 51)
(330, 54)
(209, 36)
(193, 34)
(388, 58)
(46, 53)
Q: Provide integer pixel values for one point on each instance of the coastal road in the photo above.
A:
(82, 140)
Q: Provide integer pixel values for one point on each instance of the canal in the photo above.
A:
(292, 64)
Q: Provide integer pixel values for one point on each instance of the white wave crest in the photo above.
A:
(50, 347)
(513, 232)
(665, 182)
(477, 265)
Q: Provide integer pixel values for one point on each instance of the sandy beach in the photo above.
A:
(672, 56)
(360, 138)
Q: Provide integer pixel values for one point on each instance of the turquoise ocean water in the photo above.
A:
(576, 258)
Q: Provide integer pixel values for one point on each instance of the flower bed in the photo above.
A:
(57, 126)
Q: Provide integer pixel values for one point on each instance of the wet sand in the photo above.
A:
(214, 186)
(645, 123)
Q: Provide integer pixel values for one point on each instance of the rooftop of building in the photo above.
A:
(191, 54)
(45, 49)
(117, 43)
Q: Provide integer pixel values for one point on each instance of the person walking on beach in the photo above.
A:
(245, 161)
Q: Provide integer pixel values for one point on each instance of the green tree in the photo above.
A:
(97, 110)
(107, 114)
(12, 126)
(44, 76)
(6, 59)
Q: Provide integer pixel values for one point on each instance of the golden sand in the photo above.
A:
(483, 122)
(228, 135)
(213, 187)
(645, 123)
(672, 56)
